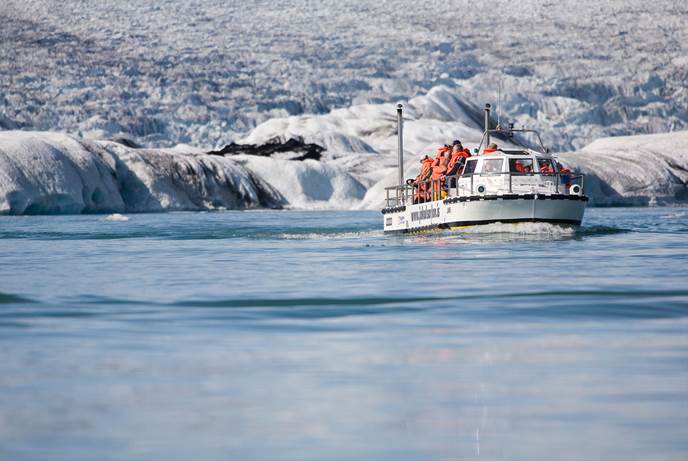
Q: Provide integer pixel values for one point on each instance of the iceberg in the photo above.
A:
(54, 173)
(634, 170)
(51, 173)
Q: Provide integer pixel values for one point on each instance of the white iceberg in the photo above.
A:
(634, 170)
(117, 217)
(44, 173)
(55, 173)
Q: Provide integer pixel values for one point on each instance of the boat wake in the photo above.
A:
(330, 235)
(526, 228)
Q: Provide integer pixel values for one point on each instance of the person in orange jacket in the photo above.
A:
(425, 174)
(546, 168)
(438, 173)
(425, 169)
(457, 160)
(441, 153)
(565, 174)
(492, 147)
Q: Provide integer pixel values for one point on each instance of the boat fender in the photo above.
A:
(576, 190)
(481, 189)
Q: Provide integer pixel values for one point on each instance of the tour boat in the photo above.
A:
(509, 185)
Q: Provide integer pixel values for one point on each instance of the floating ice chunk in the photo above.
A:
(634, 170)
(116, 217)
(308, 183)
(46, 173)
(51, 173)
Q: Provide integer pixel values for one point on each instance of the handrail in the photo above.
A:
(437, 189)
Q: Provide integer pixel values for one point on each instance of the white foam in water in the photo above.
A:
(527, 228)
(332, 236)
(677, 215)
(116, 217)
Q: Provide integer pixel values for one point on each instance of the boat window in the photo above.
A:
(470, 167)
(521, 165)
(492, 166)
(545, 166)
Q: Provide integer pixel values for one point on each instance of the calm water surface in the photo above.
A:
(313, 336)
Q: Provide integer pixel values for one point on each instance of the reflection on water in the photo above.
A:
(288, 335)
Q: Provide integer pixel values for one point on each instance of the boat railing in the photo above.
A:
(450, 186)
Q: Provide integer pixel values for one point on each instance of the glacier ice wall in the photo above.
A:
(165, 72)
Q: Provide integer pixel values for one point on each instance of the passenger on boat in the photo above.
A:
(565, 174)
(420, 192)
(492, 147)
(456, 162)
(459, 150)
(438, 173)
(441, 153)
(546, 167)
(425, 169)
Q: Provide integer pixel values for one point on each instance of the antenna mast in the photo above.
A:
(400, 141)
(499, 102)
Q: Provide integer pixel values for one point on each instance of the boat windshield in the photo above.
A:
(470, 167)
(492, 166)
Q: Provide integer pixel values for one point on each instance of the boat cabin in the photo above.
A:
(511, 172)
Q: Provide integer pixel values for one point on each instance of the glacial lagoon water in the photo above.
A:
(294, 335)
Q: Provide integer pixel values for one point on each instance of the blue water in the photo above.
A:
(284, 335)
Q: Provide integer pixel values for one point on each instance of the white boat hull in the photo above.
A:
(476, 210)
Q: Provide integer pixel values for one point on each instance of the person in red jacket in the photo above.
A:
(492, 147)
(565, 175)
(439, 170)
(457, 160)
(546, 167)
(420, 193)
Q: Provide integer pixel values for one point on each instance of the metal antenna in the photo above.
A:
(499, 101)
(400, 141)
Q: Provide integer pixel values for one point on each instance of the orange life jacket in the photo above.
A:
(438, 171)
(455, 156)
(565, 175)
(489, 151)
(452, 161)
(426, 168)
(441, 151)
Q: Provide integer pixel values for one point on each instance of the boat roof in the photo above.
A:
(516, 152)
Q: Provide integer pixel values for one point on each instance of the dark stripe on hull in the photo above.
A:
(442, 226)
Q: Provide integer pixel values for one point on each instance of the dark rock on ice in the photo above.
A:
(127, 143)
(273, 146)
